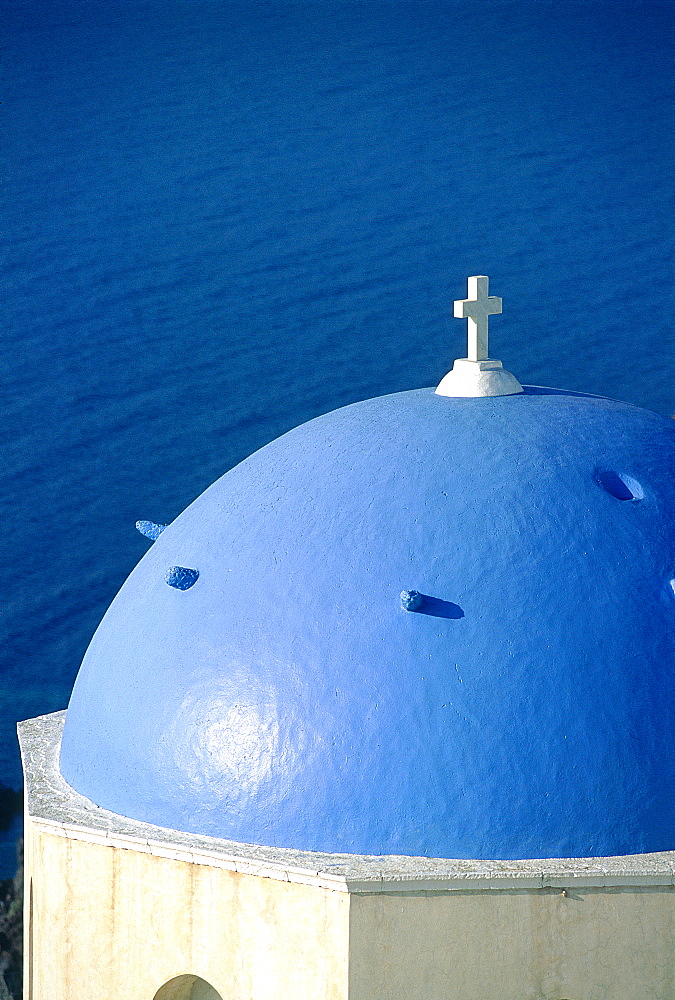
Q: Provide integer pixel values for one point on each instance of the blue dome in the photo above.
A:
(286, 694)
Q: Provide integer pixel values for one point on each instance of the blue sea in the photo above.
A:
(224, 218)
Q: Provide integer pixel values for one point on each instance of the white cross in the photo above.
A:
(476, 310)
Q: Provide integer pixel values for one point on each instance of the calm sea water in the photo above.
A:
(224, 218)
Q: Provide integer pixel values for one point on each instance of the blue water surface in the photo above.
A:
(224, 218)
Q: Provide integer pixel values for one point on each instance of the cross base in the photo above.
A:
(478, 378)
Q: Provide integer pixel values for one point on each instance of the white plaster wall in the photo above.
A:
(593, 944)
(110, 923)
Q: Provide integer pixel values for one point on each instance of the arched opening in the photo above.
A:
(187, 988)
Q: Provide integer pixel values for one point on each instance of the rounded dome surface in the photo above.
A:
(290, 696)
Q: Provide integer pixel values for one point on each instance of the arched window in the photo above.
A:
(187, 988)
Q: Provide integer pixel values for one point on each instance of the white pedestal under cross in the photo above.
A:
(478, 374)
(476, 309)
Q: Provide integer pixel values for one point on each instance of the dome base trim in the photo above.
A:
(478, 378)
(53, 805)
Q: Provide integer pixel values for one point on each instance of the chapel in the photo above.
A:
(388, 713)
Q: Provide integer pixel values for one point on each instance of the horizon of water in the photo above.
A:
(224, 219)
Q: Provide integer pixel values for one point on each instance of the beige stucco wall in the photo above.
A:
(111, 923)
(114, 924)
(592, 944)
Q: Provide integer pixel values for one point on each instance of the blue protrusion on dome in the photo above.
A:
(150, 529)
(181, 577)
(290, 702)
(411, 600)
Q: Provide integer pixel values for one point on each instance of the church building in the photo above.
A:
(388, 713)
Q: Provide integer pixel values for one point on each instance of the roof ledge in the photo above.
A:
(53, 805)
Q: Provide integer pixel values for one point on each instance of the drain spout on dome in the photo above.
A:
(150, 529)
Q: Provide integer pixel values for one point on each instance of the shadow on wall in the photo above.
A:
(187, 988)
